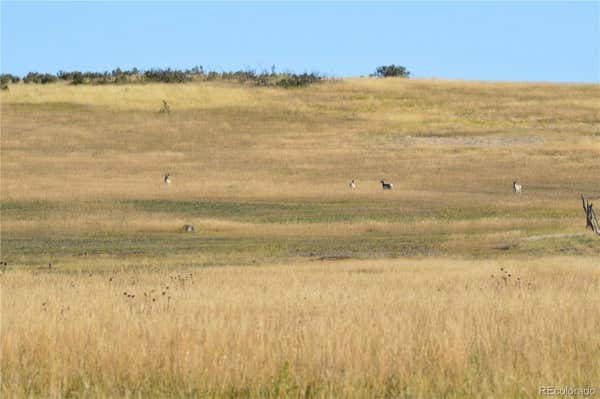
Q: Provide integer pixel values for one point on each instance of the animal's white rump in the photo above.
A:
(386, 186)
(517, 187)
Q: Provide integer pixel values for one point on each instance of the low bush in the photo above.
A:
(299, 80)
(7, 78)
(249, 76)
(41, 78)
(387, 71)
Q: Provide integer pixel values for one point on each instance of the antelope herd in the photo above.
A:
(517, 187)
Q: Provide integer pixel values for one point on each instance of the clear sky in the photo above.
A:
(458, 40)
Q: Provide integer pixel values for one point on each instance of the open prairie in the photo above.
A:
(293, 284)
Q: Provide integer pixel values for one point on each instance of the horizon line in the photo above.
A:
(313, 71)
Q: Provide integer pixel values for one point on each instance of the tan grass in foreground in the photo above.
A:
(419, 328)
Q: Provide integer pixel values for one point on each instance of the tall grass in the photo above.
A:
(412, 328)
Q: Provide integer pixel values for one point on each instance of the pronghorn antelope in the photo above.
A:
(352, 184)
(386, 186)
(189, 228)
(167, 178)
(517, 187)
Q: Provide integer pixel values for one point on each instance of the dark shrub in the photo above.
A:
(166, 76)
(8, 78)
(43, 78)
(264, 78)
(77, 78)
(197, 70)
(294, 80)
(67, 76)
(388, 71)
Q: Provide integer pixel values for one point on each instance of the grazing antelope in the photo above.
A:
(517, 187)
(387, 186)
(167, 178)
(189, 228)
(352, 184)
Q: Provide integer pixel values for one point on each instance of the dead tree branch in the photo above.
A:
(591, 221)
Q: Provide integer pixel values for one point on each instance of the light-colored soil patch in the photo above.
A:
(471, 141)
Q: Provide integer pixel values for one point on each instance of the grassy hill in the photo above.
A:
(82, 169)
(391, 293)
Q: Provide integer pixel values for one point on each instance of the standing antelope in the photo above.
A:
(167, 178)
(189, 228)
(352, 184)
(386, 186)
(517, 187)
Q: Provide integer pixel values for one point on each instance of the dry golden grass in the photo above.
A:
(414, 328)
(227, 141)
(409, 308)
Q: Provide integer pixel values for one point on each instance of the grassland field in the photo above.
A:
(294, 285)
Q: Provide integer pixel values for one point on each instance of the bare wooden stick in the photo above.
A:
(596, 223)
(591, 221)
(166, 108)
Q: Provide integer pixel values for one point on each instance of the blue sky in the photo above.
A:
(536, 41)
